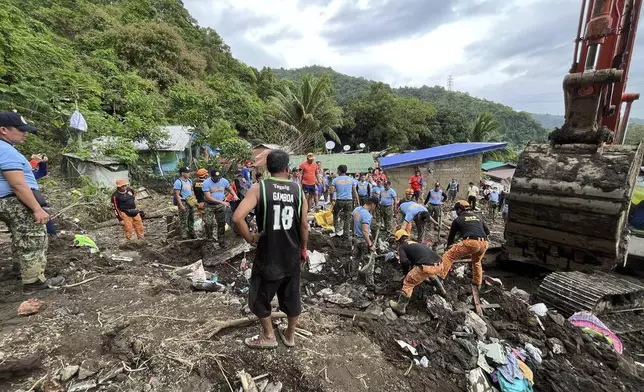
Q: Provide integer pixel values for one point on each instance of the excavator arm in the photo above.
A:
(569, 199)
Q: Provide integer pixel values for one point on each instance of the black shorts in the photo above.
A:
(262, 291)
(309, 189)
(416, 194)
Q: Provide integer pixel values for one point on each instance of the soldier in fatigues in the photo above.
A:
(21, 205)
(214, 190)
(281, 248)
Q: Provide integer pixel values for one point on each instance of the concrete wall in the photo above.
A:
(464, 169)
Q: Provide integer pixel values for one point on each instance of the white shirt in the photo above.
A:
(473, 191)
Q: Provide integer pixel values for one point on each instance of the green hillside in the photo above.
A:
(516, 127)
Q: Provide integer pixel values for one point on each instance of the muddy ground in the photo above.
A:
(137, 328)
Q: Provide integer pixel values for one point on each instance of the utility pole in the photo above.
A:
(450, 83)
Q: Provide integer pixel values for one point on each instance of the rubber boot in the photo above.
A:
(400, 306)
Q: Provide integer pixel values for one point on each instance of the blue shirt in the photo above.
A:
(217, 189)
(184, 186)
(246, 173)
(363, 189)
(361, 216)
(387, 197)
(344, 187)
(12, 160)
(494, 197)
(410, 209)
(375, 190)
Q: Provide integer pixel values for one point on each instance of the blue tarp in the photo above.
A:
(437, 153)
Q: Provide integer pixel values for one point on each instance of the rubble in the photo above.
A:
(68, 372)
(29, 307)
(390, 314)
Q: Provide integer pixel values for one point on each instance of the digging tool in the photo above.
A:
(372, 255)
(477, 302)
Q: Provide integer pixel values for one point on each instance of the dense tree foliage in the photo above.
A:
(634, 134)
(515, 127)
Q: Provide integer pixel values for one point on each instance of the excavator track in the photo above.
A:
(598, 293)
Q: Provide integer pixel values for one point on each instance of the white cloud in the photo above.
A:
(295, 33)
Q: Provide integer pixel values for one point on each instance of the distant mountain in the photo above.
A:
(518, 127)
(550, 121)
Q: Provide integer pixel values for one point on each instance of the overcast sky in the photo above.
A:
(511, 51)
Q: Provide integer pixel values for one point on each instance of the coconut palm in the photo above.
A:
(308, 110)
(486, 128)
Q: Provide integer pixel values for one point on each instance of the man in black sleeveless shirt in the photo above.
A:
(281, 247)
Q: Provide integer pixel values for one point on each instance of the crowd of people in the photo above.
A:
(269, 212)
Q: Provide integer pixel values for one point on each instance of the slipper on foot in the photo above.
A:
(281, 331)
(255, 342)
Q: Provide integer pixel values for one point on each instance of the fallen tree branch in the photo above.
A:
(33, 387)
(115, 222)
(192, 320)
(212, 328)
(67, 286)
(348, 313)
(247, 382)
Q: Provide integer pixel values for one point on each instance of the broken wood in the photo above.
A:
(247, 382)
(349, 313)
(67, 286)
(13, 367)
(212, 328)
(115, 222)
(485, 306)
(477, 302)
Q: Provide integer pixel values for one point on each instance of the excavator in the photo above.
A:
(570, 198)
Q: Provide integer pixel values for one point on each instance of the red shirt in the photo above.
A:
(308, 172)
(415, 182)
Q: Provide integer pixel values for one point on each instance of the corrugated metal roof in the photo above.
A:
(356, 163)
(490, 165)
(178, 139)
(501, 174)
(269, 146)
(438, 153)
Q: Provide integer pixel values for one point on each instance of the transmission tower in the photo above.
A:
(450, 83)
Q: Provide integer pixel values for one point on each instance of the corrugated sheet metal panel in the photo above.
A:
(178, 139)
(572, 292)
(437, 153)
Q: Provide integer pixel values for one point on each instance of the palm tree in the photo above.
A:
(308, 111)
(485, 129)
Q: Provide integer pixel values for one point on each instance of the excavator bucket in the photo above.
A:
(568, 205)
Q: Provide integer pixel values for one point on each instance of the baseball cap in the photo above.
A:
(184, 170)
(15, 119)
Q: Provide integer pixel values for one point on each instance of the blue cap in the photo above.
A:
(15, 119)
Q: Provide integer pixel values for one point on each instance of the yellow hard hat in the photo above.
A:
(462, 204)
(400, 234)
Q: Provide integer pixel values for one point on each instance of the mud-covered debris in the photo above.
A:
(273, 387)
(557, 318)
(82, 386)
(13, 367)
(495, 352)
(324, 292)
(478, 382)
(338, 299)
(52, 385)
(68, 372)
(521, 294)
(88, 368)
(437, 305)
(556, 346)
(110, 375)
(390, 314)
(476, 323)
(375, 309)
(29, 307)
(407, 347)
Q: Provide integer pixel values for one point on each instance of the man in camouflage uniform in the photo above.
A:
(21, 205)
(186, 202)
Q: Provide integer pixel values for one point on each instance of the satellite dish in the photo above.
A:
(346, 148)
(362, 145)
(330, 145)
